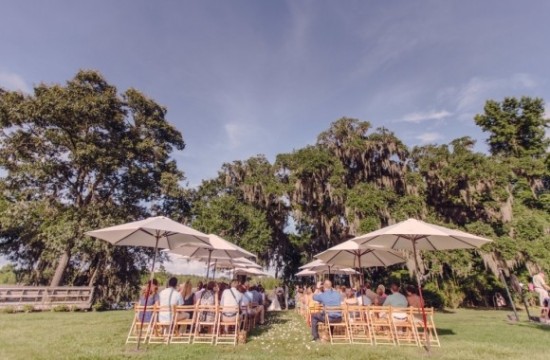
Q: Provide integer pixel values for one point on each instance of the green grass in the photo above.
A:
(466, 334)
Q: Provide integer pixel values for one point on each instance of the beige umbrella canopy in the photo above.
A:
(415, 235)
(320, 267)
(217, 248)
(351, 254)
(249, 271)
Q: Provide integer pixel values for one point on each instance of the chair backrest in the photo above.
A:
(357, 312)
(334, 311)
(164, 314)
(191, 309)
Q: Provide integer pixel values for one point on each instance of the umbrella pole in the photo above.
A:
(214, 270)
(208, 267)
(424, 319)
(361, 276)
(147, 293)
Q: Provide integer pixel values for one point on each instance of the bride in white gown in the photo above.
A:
(275, 305)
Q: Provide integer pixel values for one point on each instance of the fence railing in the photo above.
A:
(45, 298)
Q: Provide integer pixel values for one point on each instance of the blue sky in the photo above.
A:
(243, 77)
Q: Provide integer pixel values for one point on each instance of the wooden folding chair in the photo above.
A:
(381, 325)
(404, 328)
(338, 330)
(228, 324)
(313, 309)
(205, 324)
(137, 325)
(430, 331)
(161, 326)
(359, 326)
(182, 327)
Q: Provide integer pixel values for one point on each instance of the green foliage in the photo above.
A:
(8, 275)
(61, 308)
(8, 310)
(28, 308)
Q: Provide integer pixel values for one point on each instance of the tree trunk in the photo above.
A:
(61, 267)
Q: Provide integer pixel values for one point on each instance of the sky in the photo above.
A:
(243, 77)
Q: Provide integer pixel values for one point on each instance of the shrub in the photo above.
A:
(101, 305)
(60, 308)
(28, 308)
(9, 310)
(73, 308)
(433, 296)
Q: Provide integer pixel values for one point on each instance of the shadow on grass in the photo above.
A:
(445, 332)
(273, 319)
(533, 325)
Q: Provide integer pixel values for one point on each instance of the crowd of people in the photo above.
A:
(327, 295)
(211, 293)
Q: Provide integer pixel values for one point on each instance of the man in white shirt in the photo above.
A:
(231, 297)
(170, 297)
(540, 286)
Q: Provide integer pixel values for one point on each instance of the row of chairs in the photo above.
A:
(377, 325)
(207, 324)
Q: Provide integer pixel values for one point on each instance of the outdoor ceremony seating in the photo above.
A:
(160, 330)
(139, 326)
(377, 325)
(182, 327)
(228, 326)
(205, 327)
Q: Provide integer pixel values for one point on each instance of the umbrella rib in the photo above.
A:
(430, 242)
(130, 234)
(376, 256)
(369, 240)
(463, 241)
(332, 258)
(395, 243)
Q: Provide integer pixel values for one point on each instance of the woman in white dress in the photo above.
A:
(275, 305)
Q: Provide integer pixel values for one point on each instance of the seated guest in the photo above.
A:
(187, 293)
(171, 297)
(412, 297)
(231, 297)
(396, 299)
(363, 299)
(373, 297)
(257, 299)
(329, 297)
(380, 294)
(152, 288)
(198, 291)
(350, 298)
(208, 297)
(343, 292)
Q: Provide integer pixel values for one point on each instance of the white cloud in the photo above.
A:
(477, 90)
(418, 117)
(14, 82)
(179, 265)
(428, 137)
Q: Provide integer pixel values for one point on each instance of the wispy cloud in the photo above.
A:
(13, 81)
(418, 117)
(429, 137)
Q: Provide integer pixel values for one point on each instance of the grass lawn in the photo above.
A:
(465, 334)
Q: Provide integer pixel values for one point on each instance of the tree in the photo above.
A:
(78, 157)
(516, 127)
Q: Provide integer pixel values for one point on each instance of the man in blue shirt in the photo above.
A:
(396, 299)
(327, 298)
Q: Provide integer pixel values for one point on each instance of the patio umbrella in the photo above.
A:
(216, 248)
(156, 232)
(305, 273)
(320, 267)
(351, 254)
(415, 235)
(249, 271)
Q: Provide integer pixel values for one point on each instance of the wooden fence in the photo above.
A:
(45, 298)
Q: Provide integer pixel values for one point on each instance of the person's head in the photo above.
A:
(327, 285)
(394, 287)
(241, 288)
(319, 285)
(411, 290)
(234, 283)
(253, 288)
(173, 282)
(200, 285)
(368, 286)
(349, 293)
(187, 289)
(381, 289)
(152, 286)
(211, 285)
(343, 289)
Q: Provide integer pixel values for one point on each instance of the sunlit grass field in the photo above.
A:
(465, 334)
